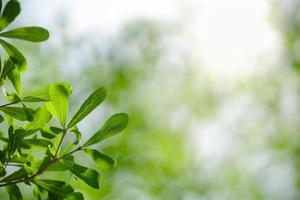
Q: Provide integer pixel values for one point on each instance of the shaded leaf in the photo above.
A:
(32, 33)
(15, 77)
(17, 112)
(88, 106)
(89, 176)
(17, 175)
(15, 55)
(14, 192)
(74, 196)
(111, 127)
(10, 12)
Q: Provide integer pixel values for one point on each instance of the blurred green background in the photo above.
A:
(212, 89)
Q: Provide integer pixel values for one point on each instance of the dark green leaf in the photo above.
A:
(16, 112)
(10, 12)
(111, 127)
(51, 132)
(33, 34)
(103, 161)
(14, 192)
(89, 176)
(8, 67)
(88, 106)
(58, 106)
(74, 196)
(17, 175)
(15, 55)
(15, 78)
(27, 143)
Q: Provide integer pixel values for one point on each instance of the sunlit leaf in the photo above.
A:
(15, 55)
(111, 127)
(39, 95)
(10, 12)
(88, 106)
(103, 161)
(40, 119)
(58, 106)
(33, 34)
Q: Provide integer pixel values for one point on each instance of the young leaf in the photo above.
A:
(27, 143)
(89, 176)
(15, 77)
(15, 55)
(10, 12)
(103, 161)
(111, 127)
(16, 112)
(88, 106)
(36, 192)
(39, 95)
(14, 192)
(58, 106)
(40, 119)
(33, 34)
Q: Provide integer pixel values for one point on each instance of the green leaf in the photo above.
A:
(74, 196)
(40, 119)
(11, 11)
(58, 106)
(58, 189)
(103, 161)
(16, 112)
(14, 139)
(36, 192)
(12, 97)
(27, 143)
(89, 176)
(17, 175)
(8, 67)
(15, 55)
(51, 132)
(14, 192)
(15, 77)
(33, 34)
(111, 127)
(39, 95)
(88, 106)
(77, 134)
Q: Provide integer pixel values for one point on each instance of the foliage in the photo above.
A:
(30, 126)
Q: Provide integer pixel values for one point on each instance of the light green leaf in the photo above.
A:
(88, 106)
(40, 119)
(89, 176)
(15, 55)
(14, 192)
(15, 77)
(32, 33)
(58, 106)
(11, 11)
(39, 95)
(111, 127)
(103, 161)
(17, 112)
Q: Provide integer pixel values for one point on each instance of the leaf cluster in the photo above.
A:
(28, 122)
